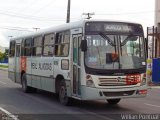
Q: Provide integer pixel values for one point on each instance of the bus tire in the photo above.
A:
(63, 98)
(113, 101)
(26, 88)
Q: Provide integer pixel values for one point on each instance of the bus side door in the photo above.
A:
(76, 66)
(17, 63)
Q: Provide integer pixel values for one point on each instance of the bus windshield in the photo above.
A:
(115, 46)
(115, 51)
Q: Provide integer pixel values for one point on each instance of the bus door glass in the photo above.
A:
(11, 61)
(17, 63)
(76, 64)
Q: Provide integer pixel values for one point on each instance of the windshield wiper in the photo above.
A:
(107, 38)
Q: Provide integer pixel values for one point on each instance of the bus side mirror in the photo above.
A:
(84, 45)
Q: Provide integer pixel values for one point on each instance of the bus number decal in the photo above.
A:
(42, 66)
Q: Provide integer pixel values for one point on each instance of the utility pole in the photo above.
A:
(10, 36)
(36, 29)
(88, 15)
(68, 11)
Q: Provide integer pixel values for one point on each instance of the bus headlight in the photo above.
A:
(143, 81)
(89, 81)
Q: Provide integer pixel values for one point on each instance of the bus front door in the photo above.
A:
(76, 83)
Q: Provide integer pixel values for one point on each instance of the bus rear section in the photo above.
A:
(14, 61)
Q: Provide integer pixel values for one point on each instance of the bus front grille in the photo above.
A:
(116, 81)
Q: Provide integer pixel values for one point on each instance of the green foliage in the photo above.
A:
(6, 54)
(3, 66)
(3, 56)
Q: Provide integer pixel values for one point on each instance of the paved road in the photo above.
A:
(44, 105)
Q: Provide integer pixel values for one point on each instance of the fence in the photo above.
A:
(5, 61)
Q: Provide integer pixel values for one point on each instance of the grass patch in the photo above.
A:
(3, 66)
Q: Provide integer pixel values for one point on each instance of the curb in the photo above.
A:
(6, 115)
(156, 87)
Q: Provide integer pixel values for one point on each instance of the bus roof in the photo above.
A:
(63, 27)
(66, 26)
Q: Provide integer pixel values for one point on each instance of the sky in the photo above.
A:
(18, 17)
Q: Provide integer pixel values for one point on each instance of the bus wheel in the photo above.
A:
(64, 99)
(113, 101)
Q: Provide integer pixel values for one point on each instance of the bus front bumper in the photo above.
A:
(88, 93)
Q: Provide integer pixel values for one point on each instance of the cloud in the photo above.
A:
(3, 40)
(47, 13)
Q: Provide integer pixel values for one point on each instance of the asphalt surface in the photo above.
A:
(43, 105)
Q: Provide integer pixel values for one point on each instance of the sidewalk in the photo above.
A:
(4, 66)
(156, 86)
(4, 69)
(153, 85)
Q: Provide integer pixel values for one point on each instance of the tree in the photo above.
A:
(4, 56)
(1, 56)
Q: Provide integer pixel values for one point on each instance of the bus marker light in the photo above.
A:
(142, 91)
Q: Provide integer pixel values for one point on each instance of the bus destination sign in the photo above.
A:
(113, 27)
(117, 28)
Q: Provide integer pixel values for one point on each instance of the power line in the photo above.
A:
(12, 14)
(29, 17)
(30, 5)
(15, 28)
(45, 6)
(129, 13)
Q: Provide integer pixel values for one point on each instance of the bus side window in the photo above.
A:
(49, 41)
(62, 44)
(12, 49)
(27, 47)
(37, 46)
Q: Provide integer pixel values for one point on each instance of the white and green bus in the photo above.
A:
(85, 60)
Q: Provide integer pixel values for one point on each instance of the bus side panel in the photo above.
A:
(48, 84)
(42, 73)
(47, 80)
(59, 71)
(11, 69)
